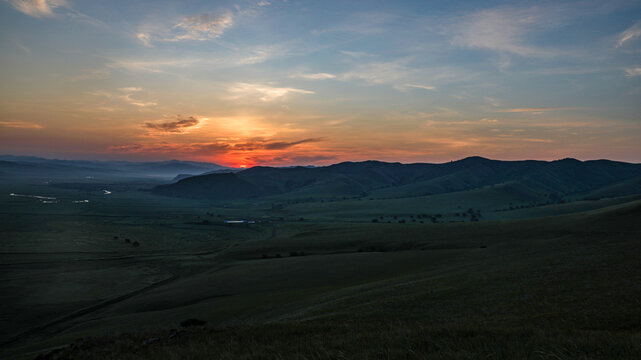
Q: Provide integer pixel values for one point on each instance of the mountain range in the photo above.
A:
(393, 180)
(30, 166)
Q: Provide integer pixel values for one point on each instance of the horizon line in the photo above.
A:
(312, 165)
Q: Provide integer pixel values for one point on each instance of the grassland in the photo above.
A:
(517, 284)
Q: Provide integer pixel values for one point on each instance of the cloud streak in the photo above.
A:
(198, 27)
(630, 34)
(37, 8)
(265, 92)
(315, 76)
(505, 30)
(47, 9)
(632, 72)
(202, 26)
(178, 126)
(405, 87)
(213, 148)
(378, 72)
(535, 110)
(127, 95)
(20, 124)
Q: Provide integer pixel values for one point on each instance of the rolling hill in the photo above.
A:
(394, 180)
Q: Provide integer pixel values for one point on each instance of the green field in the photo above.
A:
(318, 278)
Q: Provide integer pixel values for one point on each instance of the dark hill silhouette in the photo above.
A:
(400, 180)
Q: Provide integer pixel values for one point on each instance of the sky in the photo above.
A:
(274, 82)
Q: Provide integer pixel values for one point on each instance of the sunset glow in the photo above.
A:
(244, 83)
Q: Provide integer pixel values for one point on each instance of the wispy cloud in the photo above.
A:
(379, 72)
(20, 124)
(404, 87)
(259, 54)
(535, 110)
(492, 101)
(21, 46)
(48, 8)
(144, 38)
(154, 66)
(37, 8)
(265, 92)
(632, 72)
(356, 54)
(315, 76)
(199, 27)
(125, 94)
(179, 125)
(630, 34)
(505, 30)
(202, 26)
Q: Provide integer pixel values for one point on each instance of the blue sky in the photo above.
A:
(297, 82)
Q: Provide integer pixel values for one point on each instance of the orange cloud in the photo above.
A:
(249, 152)
(20, 124)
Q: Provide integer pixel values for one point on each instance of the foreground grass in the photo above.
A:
(365, 339)
(562, 287)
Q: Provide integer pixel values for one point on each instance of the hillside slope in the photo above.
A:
(559, 287)
(388, 180)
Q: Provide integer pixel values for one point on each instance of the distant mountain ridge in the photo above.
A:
(383, 179)
(11, 165)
